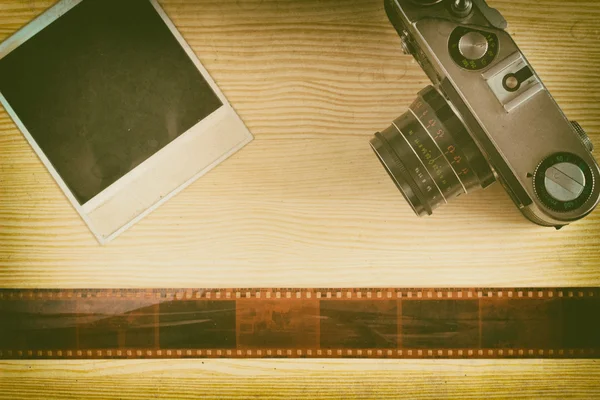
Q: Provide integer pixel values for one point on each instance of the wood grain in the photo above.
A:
(223, 379)
(307, 204)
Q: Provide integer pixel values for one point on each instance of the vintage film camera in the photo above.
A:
(487, 117)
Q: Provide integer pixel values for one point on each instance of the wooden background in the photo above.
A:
(308, 204)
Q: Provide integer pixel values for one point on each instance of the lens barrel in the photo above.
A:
(430, 155)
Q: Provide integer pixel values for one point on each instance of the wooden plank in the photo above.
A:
(284, 379)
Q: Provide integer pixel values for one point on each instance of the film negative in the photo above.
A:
(300, 323)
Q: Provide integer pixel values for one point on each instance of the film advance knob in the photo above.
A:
(473, 45)
(583, 136)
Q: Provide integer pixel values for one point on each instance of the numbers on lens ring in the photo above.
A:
(457, 160)
(438, 172)
(438, 169)
(439, 134)
(465, 171)
(431, 124)
(424, 113)
(423, 179)
(433, 164)
(451, 149)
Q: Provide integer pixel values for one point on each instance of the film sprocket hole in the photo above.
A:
(487, 117)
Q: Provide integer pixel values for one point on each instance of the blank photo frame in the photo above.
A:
(117, 106)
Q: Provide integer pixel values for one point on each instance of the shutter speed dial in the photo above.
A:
(563, 182)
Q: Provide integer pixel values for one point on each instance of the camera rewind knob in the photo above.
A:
(473, 45)
(472, 49)
(583, 136)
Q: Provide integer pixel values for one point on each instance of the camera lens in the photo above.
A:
(430, 155)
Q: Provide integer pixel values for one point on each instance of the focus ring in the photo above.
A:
(384, 146)
(430, 155)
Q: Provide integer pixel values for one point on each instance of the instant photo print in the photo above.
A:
(117, 106)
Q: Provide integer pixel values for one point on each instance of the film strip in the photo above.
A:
(300, 323)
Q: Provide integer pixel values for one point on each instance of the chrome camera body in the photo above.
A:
(487, 117)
